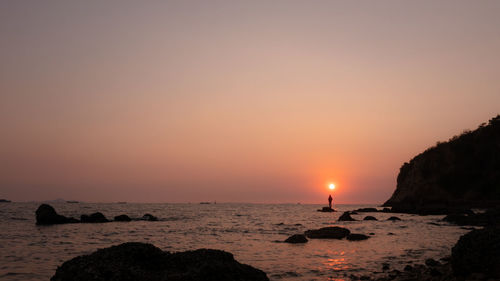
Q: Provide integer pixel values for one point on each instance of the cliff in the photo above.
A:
(462, 172)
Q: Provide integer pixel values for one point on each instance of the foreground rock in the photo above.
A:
(145, 262)
(356, 237)
(346, 217)
(124, 218)
(333, 232)
(370, 218)
(297, 238)
(47, 215)
(477, 252)
(461, 172)
(94, 218)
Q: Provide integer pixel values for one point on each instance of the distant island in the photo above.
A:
(5, 201)
(462, 172)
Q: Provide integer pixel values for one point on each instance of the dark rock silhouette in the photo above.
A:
(478, 252)
(432, 262)
(393, 219)
(346, 217)
(122, 218)
(149, 217)
(5, 201)
(47, 215)
(297, 238)
(145, 262)
(326, 210)
(94, 218)
(488, 218)
(463, 172)
(366, 210)
(370, 218)
(356, 237)
(332, 232)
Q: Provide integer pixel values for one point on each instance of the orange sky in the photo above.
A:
(190, 101)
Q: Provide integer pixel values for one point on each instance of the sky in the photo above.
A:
(236, 101)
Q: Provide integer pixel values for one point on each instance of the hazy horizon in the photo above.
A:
(190, 101)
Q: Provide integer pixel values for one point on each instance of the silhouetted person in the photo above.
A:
(330, 201)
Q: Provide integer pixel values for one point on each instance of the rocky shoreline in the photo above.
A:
(47, 215)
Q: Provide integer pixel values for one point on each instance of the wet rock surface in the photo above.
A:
(332, 232)
(47, 215)
(145, 262)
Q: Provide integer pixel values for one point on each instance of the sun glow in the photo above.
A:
(331, 186)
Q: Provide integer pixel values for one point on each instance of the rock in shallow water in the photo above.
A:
(94, 218)
(145, 262)
(370, 218)
(393, 219)
(346, 217)
(333, 232)
(122, 218)
(149, 217)
(356, 237)
(297, 238)
(47, 215)
(326, 210)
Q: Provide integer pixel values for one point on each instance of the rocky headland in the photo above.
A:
(461, 173)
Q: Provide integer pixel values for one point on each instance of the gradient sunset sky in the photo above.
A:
(236, 101)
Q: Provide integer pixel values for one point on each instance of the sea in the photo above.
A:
(253, 233)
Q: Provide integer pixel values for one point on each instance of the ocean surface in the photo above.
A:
(249, 231)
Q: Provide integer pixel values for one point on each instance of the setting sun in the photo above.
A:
(331, 186)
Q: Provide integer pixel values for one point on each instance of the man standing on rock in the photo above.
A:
(330, 201)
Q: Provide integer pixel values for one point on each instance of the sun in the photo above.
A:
(331, 186)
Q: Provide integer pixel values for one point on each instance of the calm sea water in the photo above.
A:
(249, 231)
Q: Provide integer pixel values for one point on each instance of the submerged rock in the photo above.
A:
(94, 218)
(145, 262)
(332, 232)
(297, 238)
(346, 217)
(122, 218)
(149, 217)
(47, 215)
(356, 237)
(477, 252)
(370, 218)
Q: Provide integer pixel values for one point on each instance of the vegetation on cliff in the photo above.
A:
(464, 171)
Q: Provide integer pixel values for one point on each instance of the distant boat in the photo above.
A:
(72, 201)
(5, 201)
